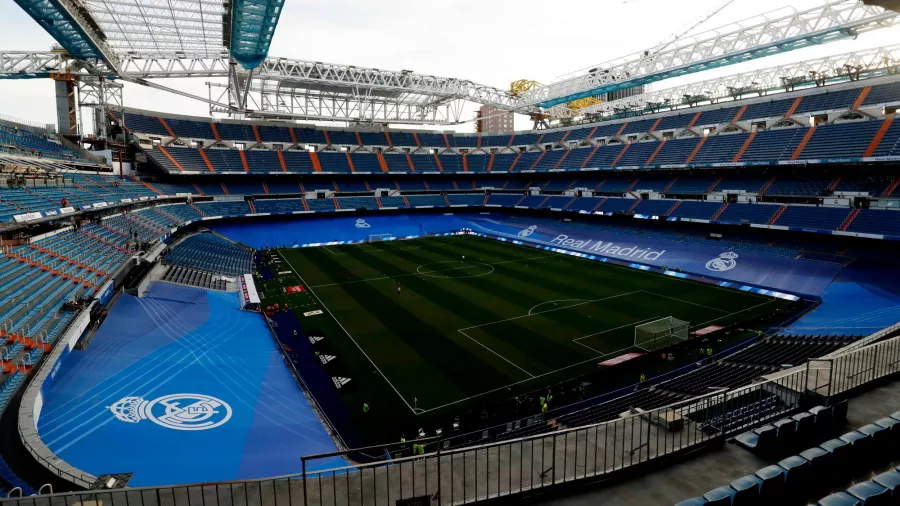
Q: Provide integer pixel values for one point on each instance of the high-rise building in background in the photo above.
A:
(492, 120)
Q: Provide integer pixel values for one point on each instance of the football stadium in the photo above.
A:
(671, 278)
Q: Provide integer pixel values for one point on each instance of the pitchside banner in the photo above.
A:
(797, 276)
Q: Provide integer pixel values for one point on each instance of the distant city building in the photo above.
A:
(492, 120)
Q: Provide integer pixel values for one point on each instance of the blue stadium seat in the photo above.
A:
(814, 218)
(824, 419)
(874, 221)
(637, 154)
(797, 477)
(772, 482)
(883, 94)
(840, 140)
(393, 202)
(820, 466)
(881, 440)
(769, 109)
(775, 144)
(829, 100)
(721, 496)
(746, 490)
(278, 205)
(891, 481)
(839, 414)
(892, 425)
(752, 213)
(839, 499)
(693, 501)
(211, 253)
(320, 204)
(695, 209)
(861, 448)
(674, 122)
(720, 148)
(841, 457)
(871, 494)
(714, 116)
(761, 438)
(806, 427)
(676, 151)
(786, 433)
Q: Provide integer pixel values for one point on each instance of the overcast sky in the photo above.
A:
(489, 41)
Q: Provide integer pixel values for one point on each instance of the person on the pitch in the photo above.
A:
(398, 288)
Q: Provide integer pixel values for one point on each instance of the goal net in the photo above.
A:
(380, 237)
(660, 333)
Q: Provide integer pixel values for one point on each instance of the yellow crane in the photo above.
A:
(524, 85)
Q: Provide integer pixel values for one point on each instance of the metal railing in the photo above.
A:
(843, 372)
(513, 467)
(43, 127)
(476, 473)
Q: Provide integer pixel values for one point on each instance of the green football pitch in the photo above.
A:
(436, 323)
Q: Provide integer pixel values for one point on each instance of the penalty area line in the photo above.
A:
(645, 320)
(525, 380)
(508, 361)
(554, 309)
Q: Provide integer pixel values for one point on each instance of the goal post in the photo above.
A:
(662, 333)
(380, 237)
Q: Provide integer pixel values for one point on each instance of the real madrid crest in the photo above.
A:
(528, 231)
(176, 411)
(725, 262)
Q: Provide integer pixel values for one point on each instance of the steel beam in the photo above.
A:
(749, 39)
(843, 67)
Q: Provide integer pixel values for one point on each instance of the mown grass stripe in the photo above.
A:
(443, 354)
(469, 310)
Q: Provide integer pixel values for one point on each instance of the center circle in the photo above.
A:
(455, 269)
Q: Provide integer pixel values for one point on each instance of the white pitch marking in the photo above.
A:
(554, 301)
(616, 328)
(551, 310)
(476, 341)
(341, 325)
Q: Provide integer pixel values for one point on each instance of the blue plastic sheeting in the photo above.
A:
(785, 274)
(790, 275)
(351, 228)
(863, 299)
(199, 389)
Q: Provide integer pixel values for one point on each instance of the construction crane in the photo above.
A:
(524, 85)
(691, 26)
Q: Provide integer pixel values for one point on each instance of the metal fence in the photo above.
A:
(841, 373)
(476, 473)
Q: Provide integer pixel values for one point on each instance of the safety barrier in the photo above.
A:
(32, 400)
(518, 466)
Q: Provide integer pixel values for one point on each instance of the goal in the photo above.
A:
(661, 333)
(380, 237)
